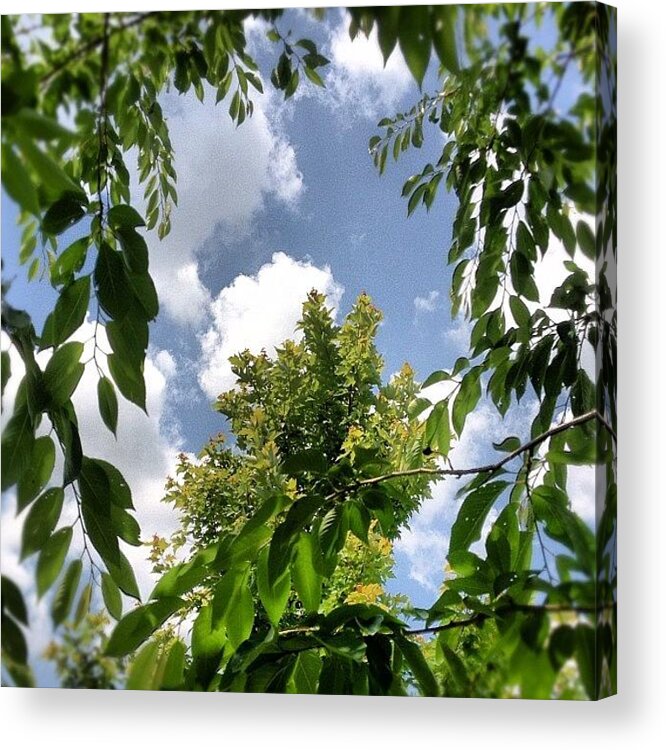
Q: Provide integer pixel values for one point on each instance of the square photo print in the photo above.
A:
(309, 350)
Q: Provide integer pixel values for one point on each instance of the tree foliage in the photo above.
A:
(322, 447)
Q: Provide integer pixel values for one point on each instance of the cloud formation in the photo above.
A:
(259, 312)
(225, 174)
(357, 82)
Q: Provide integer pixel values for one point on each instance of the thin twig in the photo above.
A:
(488, 468)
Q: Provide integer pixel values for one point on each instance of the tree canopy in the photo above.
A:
(325, 451)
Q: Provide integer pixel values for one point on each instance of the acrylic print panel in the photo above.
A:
(308, 351)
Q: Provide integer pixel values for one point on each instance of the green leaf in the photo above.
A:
(40, 127)
(124, 217)
(444, 36)
(417, 407)
(508, 445)
(63, 214)
(17, 182)
(54, 179)
(418, 666)
(112, 598)
(307, 580)
(114, 292)
(438, 429)
(274, 596)
(174, 668)
(108, 403)
(123, 575)
(42, 461)
(313, 76)
(68, 314)
(18, 439)
(139, 624)
(436, 377)
(309, 460)
(64, 597)
(5, 369)
(588, 661)
(466, 400)
(519, 311)
(83, 605)
(95, 491)
(306, 673)
(135, 250)
(414, 38)
(12, 600)
(142, 669)
(388, 25)
(233, 606)
(130, 382)
(51, 559)
(472, 514)
(63, 372)
(41, 520)
(586, 240)
(70, 261)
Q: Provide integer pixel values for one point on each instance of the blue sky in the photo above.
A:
(288, 201)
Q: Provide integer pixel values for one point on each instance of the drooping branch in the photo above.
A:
(487, 468)
(477, 619)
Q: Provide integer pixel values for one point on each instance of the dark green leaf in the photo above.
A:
(108, 403)
(41, 521)
(414, 38)
(444, 36)
(64, 597)
(63, 214)
(42, 461)
(68, 314)
(63, 372)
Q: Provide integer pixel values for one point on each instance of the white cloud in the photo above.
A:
(259, 312)
(225, 174)
(427, 303)
(357, 80)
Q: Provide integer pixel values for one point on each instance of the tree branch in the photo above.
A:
(90, 45)
(480, 617)
(488, 468)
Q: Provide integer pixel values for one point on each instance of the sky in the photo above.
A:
(286, 202)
